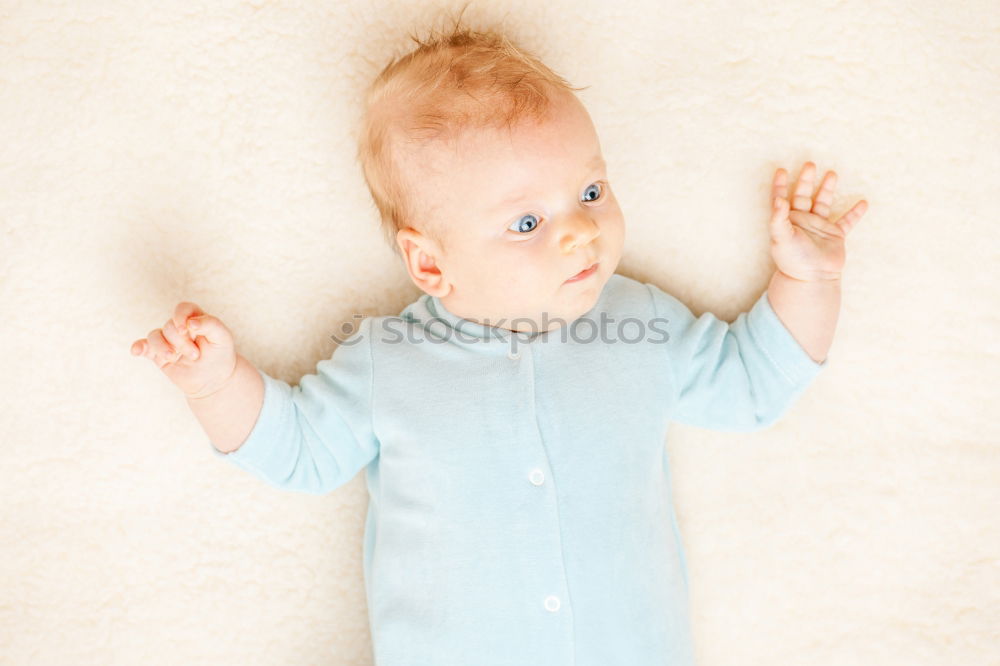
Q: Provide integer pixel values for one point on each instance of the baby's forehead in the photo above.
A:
(461, 130)
(485, 147)
(486, 157)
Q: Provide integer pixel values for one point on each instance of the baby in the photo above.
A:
(511, 422)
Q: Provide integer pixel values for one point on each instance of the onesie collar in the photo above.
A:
(468, 331)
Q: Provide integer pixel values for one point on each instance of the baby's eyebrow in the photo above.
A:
(596, 162)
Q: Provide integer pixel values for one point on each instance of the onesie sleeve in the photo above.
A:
(741, 376)
(314, 437)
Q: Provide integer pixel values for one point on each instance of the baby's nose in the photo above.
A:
(580, 230)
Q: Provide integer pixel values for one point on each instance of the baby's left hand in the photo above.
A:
(805, 244)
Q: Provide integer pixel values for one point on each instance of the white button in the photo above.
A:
(552, 603)
(513, 355)
(537, 477)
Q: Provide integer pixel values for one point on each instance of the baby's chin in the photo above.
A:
(557, 314)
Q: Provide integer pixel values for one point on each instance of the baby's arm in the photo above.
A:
(229, 414)
(808, 309)
(745, 375)
(741, 376)
(808, 250)
(310, 438)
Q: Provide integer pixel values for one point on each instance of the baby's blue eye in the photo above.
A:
(596, 196)
(529, 222)
(523, 227)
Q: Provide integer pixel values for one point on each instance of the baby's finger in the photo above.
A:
(210, 328)
(162, 352)
(781, 226)
(184, 310)
(851, 217)
(802, 198)
(824, 198)
(179, 341)
(142, 348)
(780, 185)
(138, 347)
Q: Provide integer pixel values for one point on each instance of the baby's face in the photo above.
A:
(522, 214)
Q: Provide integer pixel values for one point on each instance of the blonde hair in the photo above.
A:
(451, 82)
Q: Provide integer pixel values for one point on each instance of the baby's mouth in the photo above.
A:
(585, 273)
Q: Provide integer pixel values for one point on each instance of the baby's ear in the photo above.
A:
(419, 254)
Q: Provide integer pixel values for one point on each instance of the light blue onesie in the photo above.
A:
(520, 506)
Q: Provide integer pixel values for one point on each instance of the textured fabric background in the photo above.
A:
(152, 152)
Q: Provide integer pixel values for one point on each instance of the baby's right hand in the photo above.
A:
(194, 350)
